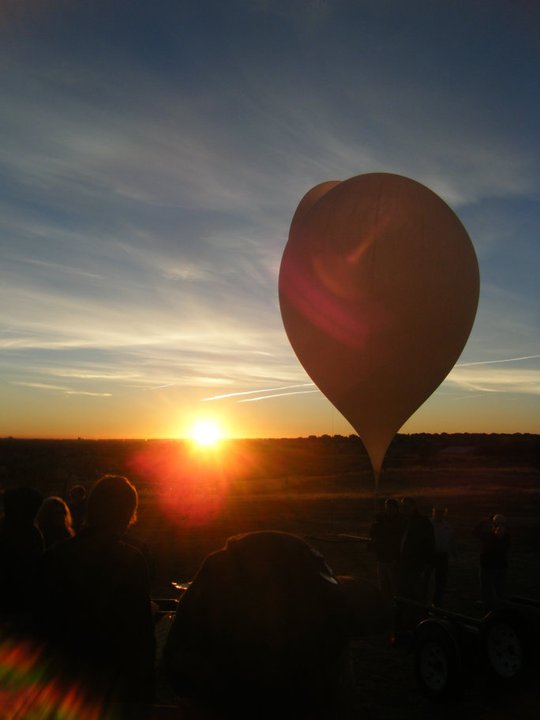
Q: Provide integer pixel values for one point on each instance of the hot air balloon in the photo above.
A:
(378, 290)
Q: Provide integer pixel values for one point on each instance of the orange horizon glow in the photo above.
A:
(283, 418)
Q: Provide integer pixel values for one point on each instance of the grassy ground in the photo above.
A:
(324, 510)
(322, 489)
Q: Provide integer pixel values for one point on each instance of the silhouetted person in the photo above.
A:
(385, 534)
(21, 547)
(416, 550)
(54, 520)
(445, 545)
(260, 632)
(493, 559)
(77, 506)
(132, 538)
(94, 607)
(415, 553)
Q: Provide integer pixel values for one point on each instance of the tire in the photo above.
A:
(507, 649)
(437, 661)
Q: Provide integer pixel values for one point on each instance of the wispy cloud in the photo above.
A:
(56, 267)
(61, 389)
(39, 386)
(81, 374)
(87, 392)
(521, 381)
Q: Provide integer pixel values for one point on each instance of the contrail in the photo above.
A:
(256, 392)
(492, 362)
(267, 397)
(83, 392)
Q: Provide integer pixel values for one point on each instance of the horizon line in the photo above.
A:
(37, 438)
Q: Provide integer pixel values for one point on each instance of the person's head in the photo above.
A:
(499, 524)
(21, 505)
(439, 513)
(112, 504)
(77, 494)
(278, 560)
(408, 506)
(54, 512)
(391, 506)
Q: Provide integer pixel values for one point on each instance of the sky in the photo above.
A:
(152, 156)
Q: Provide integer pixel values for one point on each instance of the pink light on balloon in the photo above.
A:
(378, 290)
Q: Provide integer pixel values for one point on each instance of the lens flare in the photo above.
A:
(29, 690)
(189, 481)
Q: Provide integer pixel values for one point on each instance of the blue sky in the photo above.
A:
(152, 157)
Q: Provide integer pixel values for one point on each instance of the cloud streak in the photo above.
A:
(518, 381)
(61, 389)
(504, 360)
(254, 392)
(278, 395)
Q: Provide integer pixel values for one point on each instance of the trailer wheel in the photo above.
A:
(437, 661)
(507, 649)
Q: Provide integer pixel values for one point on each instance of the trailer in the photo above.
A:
(451, 649)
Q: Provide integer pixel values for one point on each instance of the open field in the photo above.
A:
(322, 490)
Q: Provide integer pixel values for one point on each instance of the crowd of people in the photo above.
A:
(83, 595)
(263, 617)
(413, 553)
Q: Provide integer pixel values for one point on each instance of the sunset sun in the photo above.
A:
(206, 433)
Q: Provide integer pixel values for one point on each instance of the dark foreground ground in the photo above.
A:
(322, 489)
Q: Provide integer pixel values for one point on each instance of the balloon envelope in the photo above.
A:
(378, 291)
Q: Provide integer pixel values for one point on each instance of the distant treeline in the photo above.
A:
(55, 465)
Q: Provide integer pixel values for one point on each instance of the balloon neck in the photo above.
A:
(376, 475)
(376, 457)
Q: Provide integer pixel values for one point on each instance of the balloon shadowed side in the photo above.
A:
(378, 290)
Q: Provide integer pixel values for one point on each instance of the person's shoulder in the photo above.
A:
(63, 547)
(70, 549)
(213, 563)
(59, 556)
(215, 571)
(130, 553)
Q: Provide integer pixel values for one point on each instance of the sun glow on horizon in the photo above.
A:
(206, 433)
